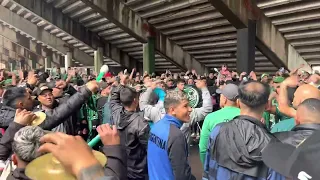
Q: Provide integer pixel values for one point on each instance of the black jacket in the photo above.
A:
(6, 116)
(59, 114)
(53, 119)
(297, 134)
(134, 131)
(235, 150)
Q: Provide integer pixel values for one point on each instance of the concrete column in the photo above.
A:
(246, 48)
(47, 62)
(67, 60)
(149, 55)
(98, 59)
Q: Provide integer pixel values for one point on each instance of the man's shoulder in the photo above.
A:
(284, 125)
(223, 113)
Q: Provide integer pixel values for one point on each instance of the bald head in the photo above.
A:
(304, 92)
(308, 111)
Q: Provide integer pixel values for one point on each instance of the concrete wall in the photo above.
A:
(295, 60)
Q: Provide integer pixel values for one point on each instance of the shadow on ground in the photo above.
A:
(194, 161)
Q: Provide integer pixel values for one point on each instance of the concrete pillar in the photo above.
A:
(67, 60)
(246, 47)
(98, 59)
(149, 55)
(47, 62)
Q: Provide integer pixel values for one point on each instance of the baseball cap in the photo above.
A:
(230, 91)
(263, 75)
(295, 162)
(42, 88)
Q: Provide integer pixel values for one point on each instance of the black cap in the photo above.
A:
(42, 88)
(294, 162)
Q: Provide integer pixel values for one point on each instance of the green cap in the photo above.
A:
(278, 79)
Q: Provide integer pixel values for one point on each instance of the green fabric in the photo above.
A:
(211, 120)
(278, 115)
(6, 82)
(278, 79)
(64, 76)
(92, 113)
(285, 125)
(266, 117)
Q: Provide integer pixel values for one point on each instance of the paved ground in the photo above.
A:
(194, 161)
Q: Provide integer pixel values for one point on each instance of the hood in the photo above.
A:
(126, 118)
(246, 137)
(6, 116)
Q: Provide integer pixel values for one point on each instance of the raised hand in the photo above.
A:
(24, 117)
(108, 135)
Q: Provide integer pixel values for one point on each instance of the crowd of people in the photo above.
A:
(247, 127)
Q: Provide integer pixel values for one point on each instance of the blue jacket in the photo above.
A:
(234, 151)
(168, 151)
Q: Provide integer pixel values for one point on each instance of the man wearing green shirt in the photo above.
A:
(228, 98)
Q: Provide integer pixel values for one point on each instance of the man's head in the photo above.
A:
(224, 67)
(211, 75)
(105, 89)
(25, 145)
(304, 92)
(190, 82)
(18, 98)
(45, 96)
(129, 98)
(253, 96)
(176, 104)
(308, 112)
(180, 84)
(169, 83)
(228, 95)
(264, 78)
(146, 79)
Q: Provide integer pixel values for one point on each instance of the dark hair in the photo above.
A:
(13, 94)
(153, 99)
(181, 81)
(144, 77)
(312, 104)
(127, 96)
(254, 94)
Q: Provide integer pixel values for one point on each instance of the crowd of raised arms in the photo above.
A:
(63, 124)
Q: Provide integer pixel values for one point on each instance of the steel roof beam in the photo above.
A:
(198, 40)
(269, 40)
(194, 10)
(133, 24)
(78, 31)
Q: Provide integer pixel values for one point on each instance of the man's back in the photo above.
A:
(235, 151)
(222, 115)
(134, 132)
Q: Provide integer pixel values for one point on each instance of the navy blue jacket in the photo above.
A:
(234, 151)
(168, 151)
